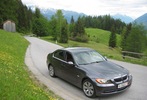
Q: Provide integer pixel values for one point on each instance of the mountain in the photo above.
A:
(123, 18)
(67, 14)
(51, 11)
(142, 20)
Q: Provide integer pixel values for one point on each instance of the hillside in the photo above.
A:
(99, 42)
(15, 81)
(100, 36)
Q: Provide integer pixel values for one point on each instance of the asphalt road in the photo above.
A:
(36, 61)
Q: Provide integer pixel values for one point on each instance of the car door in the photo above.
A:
(71, 72)
(58, 62)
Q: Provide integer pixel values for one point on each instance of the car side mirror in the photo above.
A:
(105, 58)
(70, 63)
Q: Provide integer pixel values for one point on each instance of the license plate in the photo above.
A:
(122, 85)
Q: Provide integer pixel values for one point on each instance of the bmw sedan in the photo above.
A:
(88, 70)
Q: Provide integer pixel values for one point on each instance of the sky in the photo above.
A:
(132, 8)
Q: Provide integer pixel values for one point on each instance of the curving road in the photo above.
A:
(36, 61)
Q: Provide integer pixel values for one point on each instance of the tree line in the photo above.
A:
(105, 22)
(25, 19)
(134, 38)
(14, 10)
(28, 21)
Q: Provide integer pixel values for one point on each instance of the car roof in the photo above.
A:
(76, 49)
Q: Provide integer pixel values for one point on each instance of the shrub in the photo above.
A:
(83, 38)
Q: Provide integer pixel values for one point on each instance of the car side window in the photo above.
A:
(59, 54)
(69, 57)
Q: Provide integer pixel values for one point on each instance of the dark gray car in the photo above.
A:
(87, 69)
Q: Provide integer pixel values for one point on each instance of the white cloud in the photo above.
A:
(132, 8)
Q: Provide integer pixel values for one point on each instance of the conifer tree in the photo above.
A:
(79, 31)
(53, 27)
(72, 20)
(71, 27)
(59, 27)
(136, 39)
(37, 13)
(112, 39)
(60, 18)
(124, 36)
(79, 28)
(40, 24)
(64, 32)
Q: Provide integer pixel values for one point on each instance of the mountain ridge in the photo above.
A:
(123, 18)
(68, 14)
(142, 20)
(48, 13)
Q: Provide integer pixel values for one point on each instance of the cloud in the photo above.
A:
(133, 8)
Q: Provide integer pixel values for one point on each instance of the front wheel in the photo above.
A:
(88, 88)
(51, 71)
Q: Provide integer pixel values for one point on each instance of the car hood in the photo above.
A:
(106, 69)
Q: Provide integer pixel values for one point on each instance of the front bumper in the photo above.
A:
(106, 89)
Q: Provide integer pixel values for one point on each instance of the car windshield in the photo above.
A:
(88, 57)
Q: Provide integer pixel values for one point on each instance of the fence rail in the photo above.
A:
(126, 54)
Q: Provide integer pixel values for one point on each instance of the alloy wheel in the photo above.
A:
(51, 71)
(88, 88)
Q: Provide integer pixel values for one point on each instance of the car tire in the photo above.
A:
(88, 88)
(51, 71)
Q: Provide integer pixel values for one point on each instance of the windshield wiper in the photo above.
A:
(95, 62)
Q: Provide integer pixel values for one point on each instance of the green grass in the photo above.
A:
(100, 36)
(101, 45)
(15, 80)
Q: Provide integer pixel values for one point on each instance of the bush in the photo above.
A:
(83, 38)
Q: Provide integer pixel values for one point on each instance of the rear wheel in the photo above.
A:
(88, 88)
(51, 71)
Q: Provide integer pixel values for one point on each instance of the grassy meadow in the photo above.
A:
(98, 40)
(100, 36)
(15, 80)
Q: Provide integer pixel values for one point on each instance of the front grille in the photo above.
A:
(120, 79)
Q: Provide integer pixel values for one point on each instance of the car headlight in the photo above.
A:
(103, 81)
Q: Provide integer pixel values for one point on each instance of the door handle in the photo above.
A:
(63, 65)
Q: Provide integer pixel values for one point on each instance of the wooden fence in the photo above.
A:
(127, 54)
